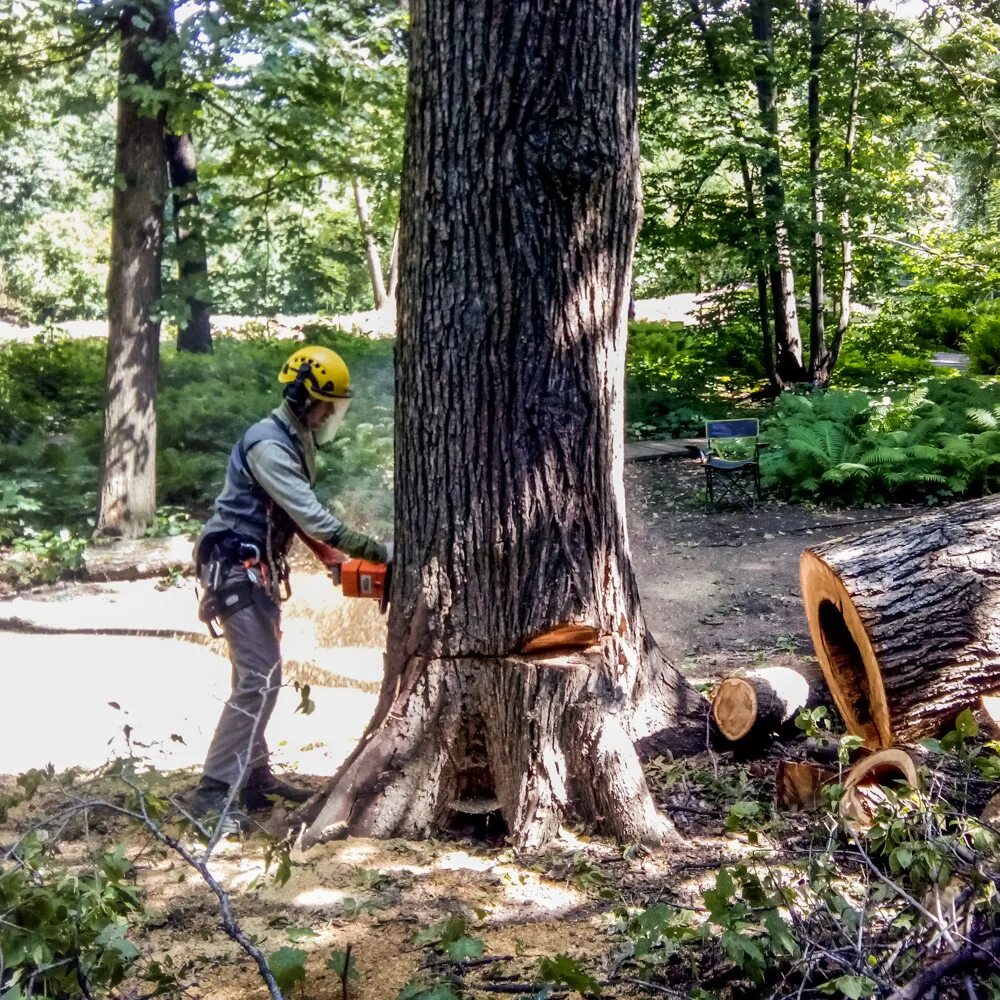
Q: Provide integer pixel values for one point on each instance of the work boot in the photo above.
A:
(263, 787)
(207, 803)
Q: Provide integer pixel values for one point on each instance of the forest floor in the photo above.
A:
(96, 670)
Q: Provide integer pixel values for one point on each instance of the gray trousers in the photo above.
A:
(253, 634)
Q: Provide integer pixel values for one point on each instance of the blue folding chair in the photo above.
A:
(732, 463)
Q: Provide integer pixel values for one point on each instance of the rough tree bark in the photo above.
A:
(819, 357)
(788, 339)
(127, 497)
(195, 334)
(519, 667)
(905, 622)
(755, 230)
(372, 257)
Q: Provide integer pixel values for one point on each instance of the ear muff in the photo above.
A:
(296, 392)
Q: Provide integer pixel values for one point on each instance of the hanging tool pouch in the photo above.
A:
(219, 598)
(217, 605)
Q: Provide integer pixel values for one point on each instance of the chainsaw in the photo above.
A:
(355, 577)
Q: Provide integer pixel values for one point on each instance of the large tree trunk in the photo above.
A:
(905, 621)
(755, 232)
(847, 237)
(371, 246)
(788, 340)
(819, 358)
(127, 499)
(519, 667)
(195, 333)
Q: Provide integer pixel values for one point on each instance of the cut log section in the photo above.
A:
(798, 785)
(905, 620)
(747, 707)
(865, 783)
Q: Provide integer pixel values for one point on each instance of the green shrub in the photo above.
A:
(51, 400)
(982, 344)
(62, 929)
(935, 442)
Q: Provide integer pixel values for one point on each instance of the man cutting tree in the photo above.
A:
(241, 565)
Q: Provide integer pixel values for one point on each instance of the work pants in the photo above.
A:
(253, 634)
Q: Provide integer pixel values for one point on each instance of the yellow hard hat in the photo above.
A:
(320, 371)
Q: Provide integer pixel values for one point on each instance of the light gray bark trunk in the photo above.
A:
(371, 246)
(519, 667)
(127, 496)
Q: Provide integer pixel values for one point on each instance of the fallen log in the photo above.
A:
(137, 558)
(865, 783)
(906, 620)
(751, 706)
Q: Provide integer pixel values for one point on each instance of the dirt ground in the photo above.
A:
(84, 661)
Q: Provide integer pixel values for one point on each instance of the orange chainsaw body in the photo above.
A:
(361, 578)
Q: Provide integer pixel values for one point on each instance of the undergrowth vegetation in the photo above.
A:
(772, 904)
(892, 429)
(50, 432)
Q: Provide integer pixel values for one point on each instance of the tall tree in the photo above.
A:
(194, 333)
(819, 361)
(846, 232)
(379, 293)
(519, 667)
(788, 340)
(755, 233)
(127, 495)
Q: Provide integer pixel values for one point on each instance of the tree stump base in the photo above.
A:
(457, 732)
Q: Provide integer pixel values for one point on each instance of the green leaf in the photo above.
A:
(444, 933)
(306, 705)
(852, 987)
(903, 856)
(337, 961)
(288, 966)
(465, 948)
(744, 951)
(300, 933)
(417, 990)
(565, 970)
(966, 724)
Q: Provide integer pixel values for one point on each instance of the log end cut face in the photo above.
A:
(845, 652)
(734, 708)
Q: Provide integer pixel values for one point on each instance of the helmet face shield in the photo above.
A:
(327, 430)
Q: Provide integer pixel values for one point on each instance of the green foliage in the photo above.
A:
(62, 928)
(50, 405)
(288, 966)
(982, 344)
(343, 964)
(565, 971)
(672, 377)
(938, 441)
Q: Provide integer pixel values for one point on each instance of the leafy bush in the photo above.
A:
(64, 929)
(982, 344)
(58, 268)
(673, 373)
(937, 441)
(51, 395)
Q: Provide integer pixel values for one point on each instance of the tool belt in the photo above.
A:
(217, 555)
